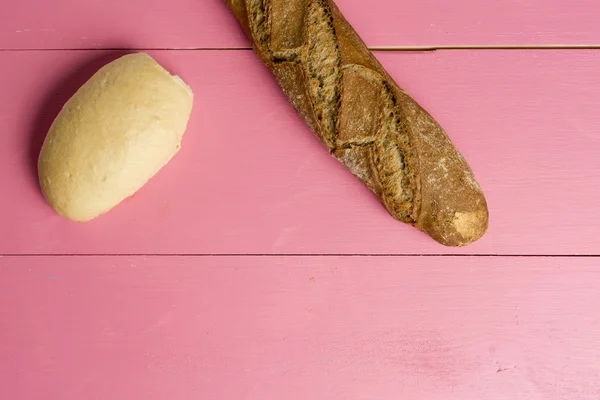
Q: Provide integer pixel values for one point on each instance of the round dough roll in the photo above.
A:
(116, 132)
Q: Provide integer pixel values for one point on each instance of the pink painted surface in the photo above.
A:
(251, 178)
(464, 328)
(66, 24)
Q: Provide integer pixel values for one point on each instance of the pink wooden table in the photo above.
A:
(275, 274)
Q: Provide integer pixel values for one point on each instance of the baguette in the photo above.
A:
(365, 120)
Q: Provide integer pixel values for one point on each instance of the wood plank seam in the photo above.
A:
(308, 255)
(372, 48)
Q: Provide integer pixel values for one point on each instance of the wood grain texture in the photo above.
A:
(251, 178)
(463, 328)
(65, 24)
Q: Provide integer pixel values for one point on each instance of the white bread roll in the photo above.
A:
(120, 128)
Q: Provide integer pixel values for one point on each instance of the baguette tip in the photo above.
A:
(459, 229)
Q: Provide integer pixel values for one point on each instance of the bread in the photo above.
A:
(116, 132)
(364, 119)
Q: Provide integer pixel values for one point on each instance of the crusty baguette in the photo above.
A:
(366, 121)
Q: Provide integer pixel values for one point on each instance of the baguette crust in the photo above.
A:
(363, 117)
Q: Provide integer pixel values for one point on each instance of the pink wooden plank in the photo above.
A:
(181, 328)
(65, 24)
(251, 178)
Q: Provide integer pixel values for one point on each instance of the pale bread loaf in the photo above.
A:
(116, 132)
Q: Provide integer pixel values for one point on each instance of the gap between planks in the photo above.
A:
(300, 255)
(372, 48)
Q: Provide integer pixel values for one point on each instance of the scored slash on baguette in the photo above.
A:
(366, 121)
